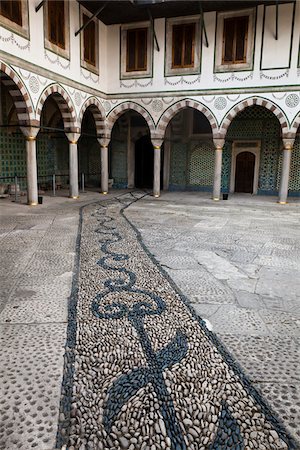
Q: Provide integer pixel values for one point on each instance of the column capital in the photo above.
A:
(157, 143)
(288, 144)
(73, 137)
(219, 143)
(30, 133)
(104, 141)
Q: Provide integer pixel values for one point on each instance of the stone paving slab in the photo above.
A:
(31, 359)
(148, 373)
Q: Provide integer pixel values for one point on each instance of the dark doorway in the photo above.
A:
(144, 159)
(244, 172)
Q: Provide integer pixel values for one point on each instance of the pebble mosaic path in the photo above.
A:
(142, 371)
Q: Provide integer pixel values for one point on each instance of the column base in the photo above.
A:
(74, 197)
(104, 193)
(282, 203)
(32, 203)
(216, 199)
(156, 195)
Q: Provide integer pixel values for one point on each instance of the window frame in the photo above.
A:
(222, 66)
(83, 63)
(193, 69)
(148, 72)
(22, 30)
(65, 53)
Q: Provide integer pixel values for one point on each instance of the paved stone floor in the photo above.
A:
(236, 261)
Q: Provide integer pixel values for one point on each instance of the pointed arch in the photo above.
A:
(251, 101)
(19, 94)
(168, 115)
(294, 127)
(94, 105)
(64, 103)
(127, 106)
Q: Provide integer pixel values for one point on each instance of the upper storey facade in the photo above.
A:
(250, 47)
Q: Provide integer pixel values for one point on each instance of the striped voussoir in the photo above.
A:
(294, 127)
(19, 94)
(259, 101)
(63, 102)
(93, 105)
(127, 106)
(187, 103)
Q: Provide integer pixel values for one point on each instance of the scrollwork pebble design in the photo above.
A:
(182, 80)
(77, 98)
(136, 83)
(142, 356)
(107, 105)
(56, 61)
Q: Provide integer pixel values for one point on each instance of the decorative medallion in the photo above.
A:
(34, 85)
(220, 103)
(157, 105)
(107, 106)
(292, 100)
(77, 98)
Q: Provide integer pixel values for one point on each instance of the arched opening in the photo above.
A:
(52, 148)
(89, 151)
(189, 152)
(131, 152)
(244, 172)
(251, 154)
(144, 160)
(12, 140)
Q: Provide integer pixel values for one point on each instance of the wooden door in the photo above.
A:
(244, 172)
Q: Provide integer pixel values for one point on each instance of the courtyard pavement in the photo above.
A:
(238, 264)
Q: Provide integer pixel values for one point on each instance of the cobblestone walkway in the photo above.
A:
(142, 370)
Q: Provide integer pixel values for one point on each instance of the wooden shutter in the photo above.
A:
(228, 40)
(89, 41)
(241, 38)
(12, 10)
(56, 22)
(136, 49)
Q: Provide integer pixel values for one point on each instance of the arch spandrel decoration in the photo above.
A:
(123, 108)
(94, 105)
(259, 101)
(182, 104)
(21, 97)
(64, 103)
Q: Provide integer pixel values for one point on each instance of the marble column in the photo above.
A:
(157, 143)
(31, 165)
(104, 164)
(285, 171)
(167, 159)
(73, 164)
(219, 144)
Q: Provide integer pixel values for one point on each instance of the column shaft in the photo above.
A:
(156, 174)
(217, 174)
(104, 169)
(32, 185)
(285, 174)
(73, 170)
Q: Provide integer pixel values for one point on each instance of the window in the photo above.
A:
(56, 30)
(89, 41)
(136, 50)
(234, 47)
(136, 55)
(12, 10)
(183, 44)
(14, 16)
(235, 40)
(56, 23)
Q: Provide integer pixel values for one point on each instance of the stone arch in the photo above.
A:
(63, 102)
(19, 94)
(94, 105)
(182, 104)
(294, 127)
(127, 106)
(259, 101)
